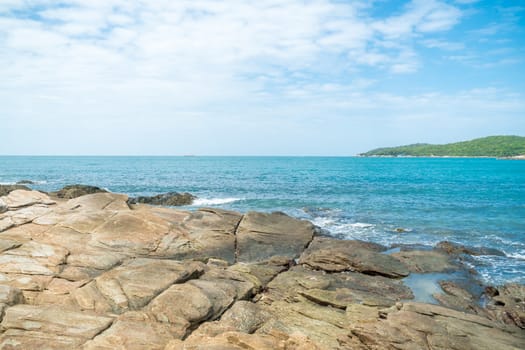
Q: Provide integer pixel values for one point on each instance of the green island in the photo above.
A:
(491, 146)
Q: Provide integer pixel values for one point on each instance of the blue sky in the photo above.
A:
(265, 77)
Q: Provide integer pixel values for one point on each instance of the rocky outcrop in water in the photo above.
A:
(6, 189)
(74, 191)
(95, 273)
(172, 199)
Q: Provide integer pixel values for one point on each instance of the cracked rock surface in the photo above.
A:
(96, 272)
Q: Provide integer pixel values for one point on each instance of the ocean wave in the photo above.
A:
(516, 256)
(214, 201)
(361, 225)
(33, 182)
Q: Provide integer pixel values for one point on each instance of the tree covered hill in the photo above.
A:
(492, 146)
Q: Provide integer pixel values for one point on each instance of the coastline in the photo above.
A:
(520, 157)
(110, 273)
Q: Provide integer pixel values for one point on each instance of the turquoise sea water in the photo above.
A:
(477, 202)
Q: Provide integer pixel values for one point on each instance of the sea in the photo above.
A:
(477, 202)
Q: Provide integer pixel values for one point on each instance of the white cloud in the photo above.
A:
(204, 66)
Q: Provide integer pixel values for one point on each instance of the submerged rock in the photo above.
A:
(171, 199)
(74, 191)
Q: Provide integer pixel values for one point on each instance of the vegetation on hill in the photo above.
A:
(492, 146)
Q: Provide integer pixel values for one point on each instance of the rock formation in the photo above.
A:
(74, 191)
(172, 199)
(93, 272)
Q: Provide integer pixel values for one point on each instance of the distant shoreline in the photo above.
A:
(521, 157)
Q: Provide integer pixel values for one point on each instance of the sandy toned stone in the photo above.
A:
(10, 295)
(416, 325)
(133, 284)
(24, 340)
(47, 255)
(6, 223)
(23, 198)
(132, 233)
(192, 302)
(24, 265)
(203, 234)
(6, 244)
(54, 320)
(243, 341)
(26, 282)
(135, 330)
(99, 201)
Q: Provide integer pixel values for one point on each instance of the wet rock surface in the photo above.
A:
(6, 189)
(93, 272)
(74, 191)
(168, 199)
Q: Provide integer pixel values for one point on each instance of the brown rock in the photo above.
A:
(193, 302)
(203, 234)
(423, 326)
(261, 236)
(131, 233)
(339, 255)
(74, 191)
(134, 330)
(134, 284)
(508, 305)
(168, 199)
(423, 261)
(22, 198)
(50, 320)
(454, 248)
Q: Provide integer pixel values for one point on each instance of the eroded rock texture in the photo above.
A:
(93, 272)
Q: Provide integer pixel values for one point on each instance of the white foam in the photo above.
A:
(361, 225)
(324, 222)
(516, 256)
(214, 201)
(41, 182)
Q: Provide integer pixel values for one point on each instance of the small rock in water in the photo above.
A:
(74, 191)
(401, 230)
(25, 182)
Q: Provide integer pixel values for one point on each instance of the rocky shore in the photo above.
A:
(101, 271)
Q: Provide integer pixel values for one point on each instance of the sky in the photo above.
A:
(265, 77)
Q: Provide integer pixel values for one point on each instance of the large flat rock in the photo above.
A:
(22, 198)
(334, 255)
(261, 236)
